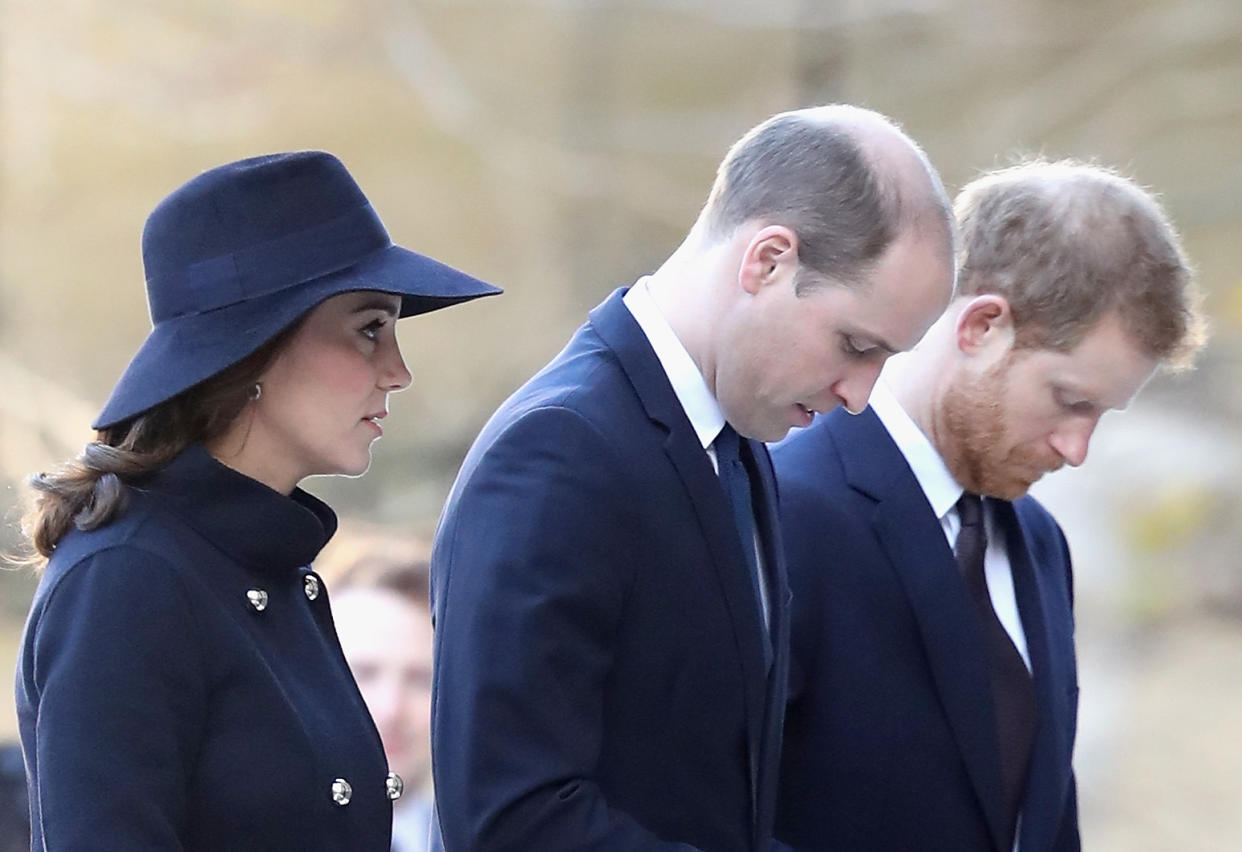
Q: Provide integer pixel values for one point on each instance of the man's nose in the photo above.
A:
(1071, 440)
(854, 389)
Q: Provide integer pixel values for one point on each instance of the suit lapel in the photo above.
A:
(619, 330)
(911, 537)
(1052, 679)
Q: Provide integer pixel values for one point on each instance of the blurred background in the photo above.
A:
(561, 148)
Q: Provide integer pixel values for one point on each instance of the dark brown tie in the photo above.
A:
(1013, 691)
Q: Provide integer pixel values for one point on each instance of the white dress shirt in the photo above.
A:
(692, 392)
(943, 492)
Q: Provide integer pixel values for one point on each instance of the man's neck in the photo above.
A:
(916, 381)
(682, 290)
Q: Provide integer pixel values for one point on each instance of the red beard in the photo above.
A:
(975, 440)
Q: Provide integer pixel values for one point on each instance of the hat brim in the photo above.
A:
(181, 352)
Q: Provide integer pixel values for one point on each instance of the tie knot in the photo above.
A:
(970, 509)
(727, 444)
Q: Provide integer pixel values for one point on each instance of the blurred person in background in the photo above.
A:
(14, 807)
(608, 583)
(382, 612)
(934, 694)
(179, 684)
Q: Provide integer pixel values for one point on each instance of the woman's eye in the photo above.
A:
(372, 329)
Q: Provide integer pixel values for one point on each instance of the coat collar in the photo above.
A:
(700, 406)
(924, 460)
(258, 527)
(621, 332)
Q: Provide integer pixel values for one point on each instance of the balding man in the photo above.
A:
(608, 583)
(934, 694)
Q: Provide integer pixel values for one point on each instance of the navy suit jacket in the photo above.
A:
(889, 735)
(600, 675)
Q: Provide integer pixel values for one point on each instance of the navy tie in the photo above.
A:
(737, 486)
(1013, 691)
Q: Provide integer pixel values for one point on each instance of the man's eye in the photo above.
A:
(854, 347)
(1075, 406)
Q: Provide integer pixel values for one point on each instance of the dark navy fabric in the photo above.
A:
(158, 709)
(600, 680)
(241, 251)
(890, 735)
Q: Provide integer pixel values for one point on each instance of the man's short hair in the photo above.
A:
(362, 555)
(810, 171)
(1067, 243)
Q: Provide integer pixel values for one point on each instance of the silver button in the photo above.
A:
(394, 785)
(310, 585)
(342, 792)
(258, 599)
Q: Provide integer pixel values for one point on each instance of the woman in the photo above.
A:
(180, 684)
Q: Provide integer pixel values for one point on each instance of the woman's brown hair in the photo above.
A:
(89, 492)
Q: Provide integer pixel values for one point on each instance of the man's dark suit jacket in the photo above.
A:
(890, 733)
(600, 677)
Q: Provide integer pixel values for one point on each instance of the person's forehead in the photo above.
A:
(909, 288)
(375, 616)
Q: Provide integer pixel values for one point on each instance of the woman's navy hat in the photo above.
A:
(240, 252)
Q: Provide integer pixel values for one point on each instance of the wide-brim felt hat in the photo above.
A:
(239, 253)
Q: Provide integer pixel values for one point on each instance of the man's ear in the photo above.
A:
(771, 254)
(984, 324)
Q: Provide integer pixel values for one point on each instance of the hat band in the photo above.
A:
(267, 267)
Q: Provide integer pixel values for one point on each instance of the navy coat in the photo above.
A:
(600, 678)
(889, 737)
(160, 708)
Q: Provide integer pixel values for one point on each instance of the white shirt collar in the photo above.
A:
(683, 374)
(938, 484)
